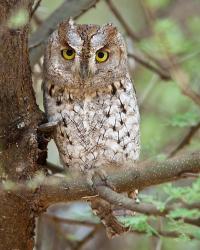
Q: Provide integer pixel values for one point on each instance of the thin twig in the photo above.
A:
(35, 7)
(149, 209)
(130, 32)
(163, 74)
(182, 80)
(54, 168)
(69, 221)
(168, 234)
(185, 140)
(88, 237)
(118, 15)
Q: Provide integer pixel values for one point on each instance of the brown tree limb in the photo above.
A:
(49, 190)
(19, 118)
(122, 201)
(68, 9)
(138, 177)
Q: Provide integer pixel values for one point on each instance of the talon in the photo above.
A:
(90, 177)
(134, 195)
(102, 175)
(47, 127)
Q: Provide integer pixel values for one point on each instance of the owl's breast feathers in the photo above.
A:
(95, 126)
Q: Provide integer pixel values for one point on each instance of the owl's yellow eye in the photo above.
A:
(102, 56)
(68, 54)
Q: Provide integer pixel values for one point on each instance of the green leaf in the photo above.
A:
(160, 205)
(184, 120)
(169, 36)
(175, 192)
(183, 228)
(184, 212)
(157, 3)
(188, 194)
(139, 223)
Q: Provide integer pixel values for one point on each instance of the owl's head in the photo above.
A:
(85, 55)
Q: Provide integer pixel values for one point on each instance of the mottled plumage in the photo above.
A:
(94, 103)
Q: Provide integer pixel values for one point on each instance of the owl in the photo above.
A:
(89, 94)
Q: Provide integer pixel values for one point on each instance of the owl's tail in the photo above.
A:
(103, 210)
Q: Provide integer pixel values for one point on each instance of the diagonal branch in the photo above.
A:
(183, 82)
(122, 201)
(164, 74)
(185, 140)
(118, 15)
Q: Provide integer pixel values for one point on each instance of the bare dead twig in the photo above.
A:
(185, 140)
(149, 209)
(163, 74)
(182, 80)
(36, 6)
(69, 221)
(168, 234)
(118, 15)
(88, 237)
(130, 32)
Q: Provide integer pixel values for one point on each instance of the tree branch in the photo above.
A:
(69, 221)
(49, 190)
(118, 15)
(159, 71)
(182, 80)
(185, 140)
(68, 9)
(122, 201)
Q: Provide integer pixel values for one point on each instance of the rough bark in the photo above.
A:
(19, 117)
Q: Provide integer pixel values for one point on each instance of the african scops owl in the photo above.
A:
(88, 91)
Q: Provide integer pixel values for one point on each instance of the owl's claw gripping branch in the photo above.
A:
(102, 208)
(47, 127)
(92, 180)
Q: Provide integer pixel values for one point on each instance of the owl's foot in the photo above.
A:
(47, 127)
(134, 195)
(92, 180)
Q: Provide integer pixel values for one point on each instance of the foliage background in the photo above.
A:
(168, 29)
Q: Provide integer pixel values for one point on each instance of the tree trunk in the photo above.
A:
(19, 117)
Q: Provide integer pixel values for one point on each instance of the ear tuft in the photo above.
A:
(63, 28)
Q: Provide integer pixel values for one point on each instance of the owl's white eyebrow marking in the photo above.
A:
(74, 39)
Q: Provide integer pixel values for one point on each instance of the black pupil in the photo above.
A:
(70, 52)
(100, 54)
